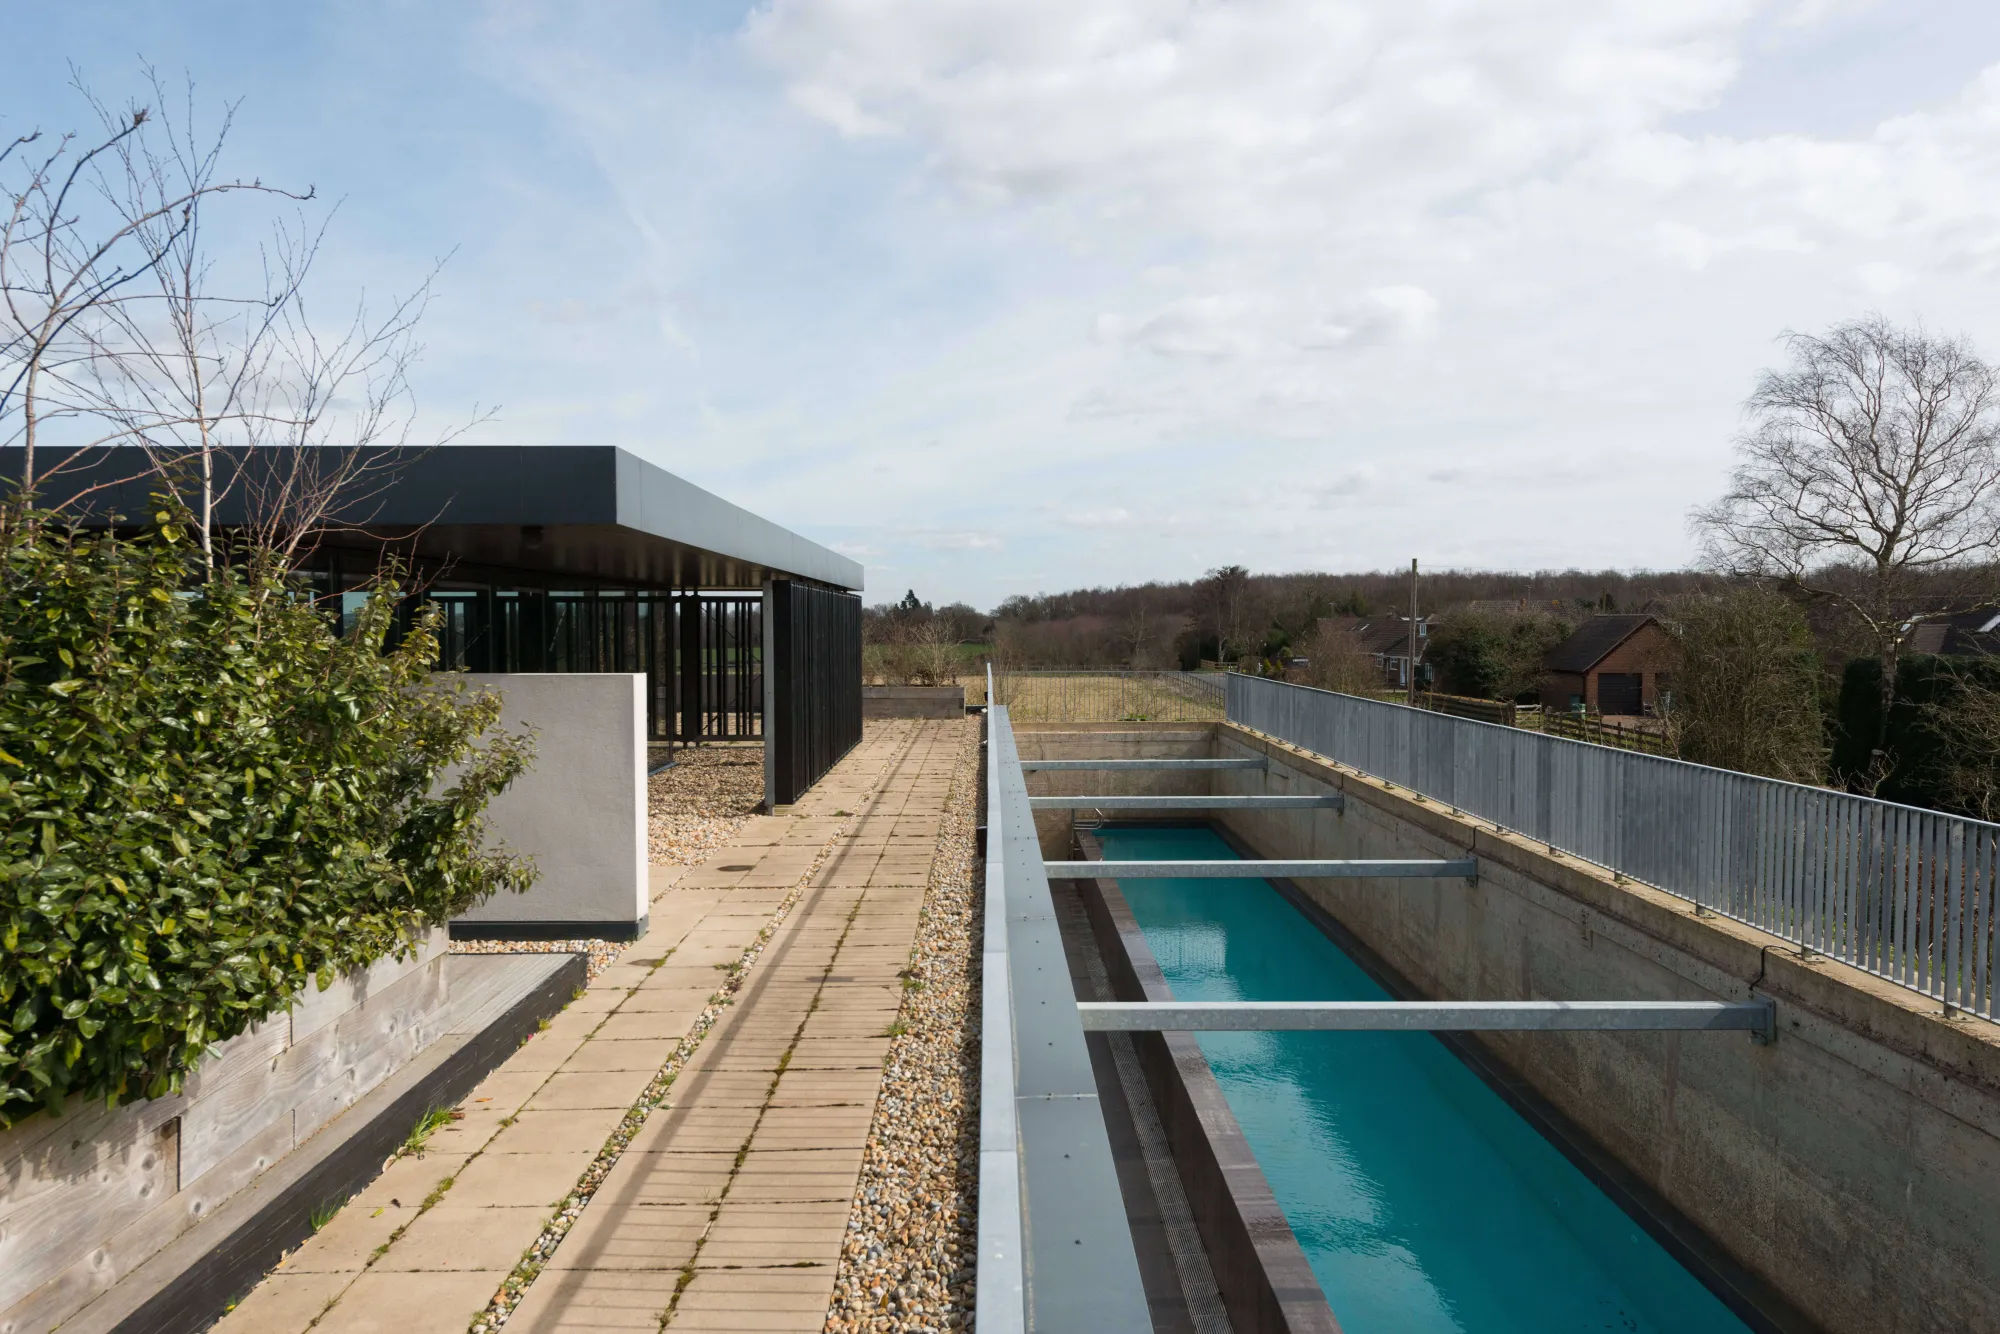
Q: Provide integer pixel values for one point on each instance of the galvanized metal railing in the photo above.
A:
(1088, 695)
(1055, 1250)
(1909, 895)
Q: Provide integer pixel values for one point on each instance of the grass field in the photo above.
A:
(1108, 697)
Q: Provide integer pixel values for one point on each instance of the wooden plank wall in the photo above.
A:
(88, 1196)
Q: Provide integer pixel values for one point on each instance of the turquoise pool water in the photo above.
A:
(1425, 1204)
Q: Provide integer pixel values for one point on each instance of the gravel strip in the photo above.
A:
(692, 809)
(698, 805)
(907, 1262)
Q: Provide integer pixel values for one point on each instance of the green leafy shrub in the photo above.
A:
(208, 799)
(1492, 655)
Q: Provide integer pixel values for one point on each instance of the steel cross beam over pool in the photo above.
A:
(1248, 802)
(1756, 1017)
(1462, 868)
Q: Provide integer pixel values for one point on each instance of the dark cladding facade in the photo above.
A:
(579, 559)
(816, 686)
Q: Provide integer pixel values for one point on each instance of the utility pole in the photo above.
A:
(1411, 691)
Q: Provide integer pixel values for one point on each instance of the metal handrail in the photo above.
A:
(1909, 895)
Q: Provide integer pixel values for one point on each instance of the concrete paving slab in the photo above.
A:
(614, 1234)
(284, 1303)
(602, 1054)
(579, 1089)
(557, 1131)
(667, 1025)
(506, 1089)
(351, 1237)
(452, 1236)
(545, 1052)
(696, 1128)
(578, 1301)
(411, 1303)
(676, 1176)
(512, 1179)
(722, 1088)
(408, 1179)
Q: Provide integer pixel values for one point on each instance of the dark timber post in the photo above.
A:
(770, 674)
(690, 668)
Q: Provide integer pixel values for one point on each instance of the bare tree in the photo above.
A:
(1336, 660)
(1136, 634)
(115, 332)
(1222, 595)
(1870, 467)
(85, 246)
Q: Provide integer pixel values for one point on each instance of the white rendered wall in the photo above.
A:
(580, 811)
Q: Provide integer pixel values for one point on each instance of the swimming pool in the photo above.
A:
(1423, 1202)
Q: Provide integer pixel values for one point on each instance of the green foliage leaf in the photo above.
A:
(209, 799)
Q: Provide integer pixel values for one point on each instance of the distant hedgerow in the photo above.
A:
(208, 799)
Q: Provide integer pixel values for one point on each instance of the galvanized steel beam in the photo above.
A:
(1055, 1249)
(1329, 800)
(1462, 868)
(1114, 765)
(1756, 1017)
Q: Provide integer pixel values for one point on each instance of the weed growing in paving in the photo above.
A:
(432, 1121)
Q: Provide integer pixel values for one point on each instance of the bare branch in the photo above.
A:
(1875, 453)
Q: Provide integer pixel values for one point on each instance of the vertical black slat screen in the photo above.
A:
(721, 680)
(689, 669)
(816, 680)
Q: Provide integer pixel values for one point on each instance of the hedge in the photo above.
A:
(1916, 749)
(207, 799)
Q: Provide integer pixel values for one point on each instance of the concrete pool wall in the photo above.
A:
(1853, 1165)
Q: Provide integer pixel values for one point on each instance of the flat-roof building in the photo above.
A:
(561, 558)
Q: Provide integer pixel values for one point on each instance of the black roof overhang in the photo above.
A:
(588, 512)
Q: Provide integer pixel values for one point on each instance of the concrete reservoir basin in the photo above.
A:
(1424, 1203)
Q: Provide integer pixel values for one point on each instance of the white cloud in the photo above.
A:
(961, 540)
(1351, 265)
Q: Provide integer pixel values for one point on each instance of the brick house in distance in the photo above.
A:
(1614, 665)
(1972, 634)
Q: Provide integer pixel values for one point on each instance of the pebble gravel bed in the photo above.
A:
(691, 810)
(907, 1261)
(698, 805)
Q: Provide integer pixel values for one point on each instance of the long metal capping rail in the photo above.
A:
(1907, 894)
(1055, 1251)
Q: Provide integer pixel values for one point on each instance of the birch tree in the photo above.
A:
(1870, 467)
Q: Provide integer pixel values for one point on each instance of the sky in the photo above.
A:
(1007, 298)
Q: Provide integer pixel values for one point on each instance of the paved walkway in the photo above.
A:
(726, 1209)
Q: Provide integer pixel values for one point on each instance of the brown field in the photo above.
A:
(1106, 697)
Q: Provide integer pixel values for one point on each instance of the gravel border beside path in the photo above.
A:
(907, 1262)
(691, 810)
(698, 805)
